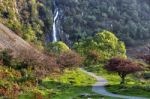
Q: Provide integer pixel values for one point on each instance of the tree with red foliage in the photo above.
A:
(123, 67)
(41, 65)
(69, 60)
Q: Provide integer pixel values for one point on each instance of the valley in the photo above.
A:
(74, 49)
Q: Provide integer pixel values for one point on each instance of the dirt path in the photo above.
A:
(99, 87)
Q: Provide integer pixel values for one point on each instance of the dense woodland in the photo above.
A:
(128, 19)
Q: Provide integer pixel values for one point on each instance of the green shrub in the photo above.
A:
(29, 34)
(18, 64)
(57, 47)
(5, 57)
(146, 75)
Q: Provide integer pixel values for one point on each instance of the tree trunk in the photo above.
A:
(122, 79)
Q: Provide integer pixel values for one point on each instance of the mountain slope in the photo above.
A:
(128, 19)
(30, 19)
(9, 40)
(77, 19)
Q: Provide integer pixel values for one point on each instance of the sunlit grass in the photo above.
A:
(69, 85)
(133, 86)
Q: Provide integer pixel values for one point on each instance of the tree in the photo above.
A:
(123, 67)
(105, 44)
(69, 60)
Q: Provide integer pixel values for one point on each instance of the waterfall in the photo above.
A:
(56, 13)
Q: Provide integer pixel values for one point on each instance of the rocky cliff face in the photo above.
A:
(78, 19)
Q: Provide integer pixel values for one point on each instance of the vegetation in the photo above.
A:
(57, 47)
(5, 57)
(126, 18)
(134, 86)
(101, 47)
(70, 84)
(33, 19)
(27, 18)
(123, 67)
(31, 68)
(70, 60)
(84, 25)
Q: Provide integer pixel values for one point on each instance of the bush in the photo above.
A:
(5, 57)
(57, 47)
(69, 60)
(29, 34)
(146, 75)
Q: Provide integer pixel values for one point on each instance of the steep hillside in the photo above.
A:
(129, 19)
(9, 40)
(30, 19)
(77, 19)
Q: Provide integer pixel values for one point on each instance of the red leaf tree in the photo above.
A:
(123, 67)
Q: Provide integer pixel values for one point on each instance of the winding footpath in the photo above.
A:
(99, 87)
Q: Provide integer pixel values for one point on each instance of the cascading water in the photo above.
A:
(55, 26)
(57, 33)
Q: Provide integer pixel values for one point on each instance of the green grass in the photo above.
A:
(133, 86)
(70, 85)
